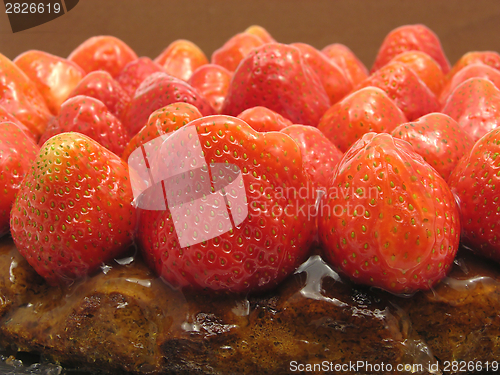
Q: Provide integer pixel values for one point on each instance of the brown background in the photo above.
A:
(148, 26)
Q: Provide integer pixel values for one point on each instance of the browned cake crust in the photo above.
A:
(127, 320)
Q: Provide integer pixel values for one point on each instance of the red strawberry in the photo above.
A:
(20, 97)
(489, 58)
(158, 90)
(346, 60)
(319, 155)
(7, 117)
(53, 76)
(103, 53)
(102, 86)
(404, 87)
(475, 183)
(194, 244)
(438, 139)
(73, 211)
(389, 220)
(235, 49)
(335, 82)
(181, 58)
(135, 72)
(426, 68)
(366, 110)
(409, 38)
(263, 119)
(212, 81)
(262, 33)
(162, 121)
(89, 116)
(470, 71)
(276, 76)
(475, 105)
(17, 151)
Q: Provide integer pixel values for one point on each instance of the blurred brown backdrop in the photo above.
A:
(148, 26)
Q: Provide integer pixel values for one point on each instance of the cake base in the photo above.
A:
(126, 320)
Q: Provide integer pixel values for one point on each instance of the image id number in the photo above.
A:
(26, 8)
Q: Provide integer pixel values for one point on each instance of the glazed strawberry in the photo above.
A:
(335, 83)
(475, 183)
(263, 119)
(103, 53)
(212, 81)
(490, 58)
(135, 72)
(7, 117)
(235, 49)
(73, 211)
(53, 76)
(157, 91)
(17, 151)
(319, 155)
(409, 38)
(403, 86)
(194, 244)
(470, 71)
(181, 58)
(162, 121)
(438, 139)
(262, 33)
(475, 105)
(102, 86)
(389, 220)
(426, 68)
(346, 60)
(366, 110)
(20, 97)
(276, 76)
(89, 116)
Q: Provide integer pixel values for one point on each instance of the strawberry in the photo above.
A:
(89, 116)
(335, 82)
(196, 244)
(7, 117)
(235, 49)
(404, 87)
(346, 60)
(475, 183)
(475, 105)
(102, 86)
(262, 33)
(155, 92)
(162, 121)
(263, 119)
(438, 139)
(476, 70)
(181, 58)
(53, 76)
(489, 58)
(17, 151)
(74, 209)
(319, 155)
(366, 110)
(135, 72)
(103, 53)
(276, 76)
(20, 97)
(409, 38)
(426, 68)
(389, 220)
(212, 81)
